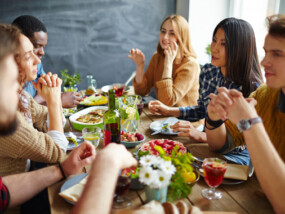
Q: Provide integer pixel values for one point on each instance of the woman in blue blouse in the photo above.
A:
(234, 65)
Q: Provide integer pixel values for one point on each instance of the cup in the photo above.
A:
(214, 170)
(119, 89)
(92, 134)
(122, 187)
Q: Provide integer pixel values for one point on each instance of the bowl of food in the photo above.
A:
(191, 177)
(166, 144)
(89, 117)
(130, 139)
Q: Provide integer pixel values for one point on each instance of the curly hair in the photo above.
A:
(29, 25)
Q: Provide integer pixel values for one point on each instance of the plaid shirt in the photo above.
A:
(211, 78)
(4, 197)
(29, 87)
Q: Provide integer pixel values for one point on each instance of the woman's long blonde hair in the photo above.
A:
(182, 33)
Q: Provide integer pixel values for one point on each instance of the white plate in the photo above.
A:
(79, 140)
(71, 182)
(156, 125)
(83, 112)
(106, 88)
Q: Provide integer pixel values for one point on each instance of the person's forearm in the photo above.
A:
(173, 111)
(55, 115)
(24, 186)
(269, 167)
(216, 138)
(98, 193)
(167, 72)
(139, 74)
(40, 100)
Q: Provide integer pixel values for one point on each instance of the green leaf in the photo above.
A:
(69, 80)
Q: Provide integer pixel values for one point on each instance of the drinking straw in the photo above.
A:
(134, 126)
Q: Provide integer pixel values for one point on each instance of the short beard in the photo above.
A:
(8, 128)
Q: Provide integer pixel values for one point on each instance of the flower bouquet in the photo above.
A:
(163, 169)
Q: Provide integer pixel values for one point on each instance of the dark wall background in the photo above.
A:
(94, 36)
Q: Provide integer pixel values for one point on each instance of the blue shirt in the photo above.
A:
(29, 87)
(211, 78)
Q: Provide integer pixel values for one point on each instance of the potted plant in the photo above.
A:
(69, 81)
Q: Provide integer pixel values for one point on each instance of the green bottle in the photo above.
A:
(112, 122)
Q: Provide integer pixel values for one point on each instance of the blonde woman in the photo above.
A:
(173, 70)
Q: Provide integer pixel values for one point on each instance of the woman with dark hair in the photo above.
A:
(242, 66)
(234, 65)
(173, 70)
(258, 121)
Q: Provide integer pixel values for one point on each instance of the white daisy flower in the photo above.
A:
(147, 175)
(147, 160)
(168, 168)
(162, 180)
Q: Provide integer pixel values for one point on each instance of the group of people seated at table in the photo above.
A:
(244, 119)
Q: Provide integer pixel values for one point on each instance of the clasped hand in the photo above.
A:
(230, 103)
(48, 86)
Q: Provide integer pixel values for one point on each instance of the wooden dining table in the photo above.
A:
(246, 197)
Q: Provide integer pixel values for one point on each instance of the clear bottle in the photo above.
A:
(91, 85)
(112, 122)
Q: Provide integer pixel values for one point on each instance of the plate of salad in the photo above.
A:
(94, 100)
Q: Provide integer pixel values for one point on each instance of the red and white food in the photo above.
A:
(131, 137)
(166, 145)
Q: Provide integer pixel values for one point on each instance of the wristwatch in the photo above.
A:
(244, 125)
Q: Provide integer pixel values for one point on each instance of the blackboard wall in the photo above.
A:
(94, 36)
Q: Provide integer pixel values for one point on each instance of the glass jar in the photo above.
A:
(91, 85)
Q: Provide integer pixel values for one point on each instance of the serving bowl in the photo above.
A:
(134, 143)
(80, 125)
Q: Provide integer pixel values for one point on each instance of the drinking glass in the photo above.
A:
(92, 134)
(123, 185)
(119, 89)
(214, 170)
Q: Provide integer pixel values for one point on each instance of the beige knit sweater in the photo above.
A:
(181, 90)
(28, 143)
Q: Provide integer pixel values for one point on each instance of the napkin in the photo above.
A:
(238, 172)
(74, 192)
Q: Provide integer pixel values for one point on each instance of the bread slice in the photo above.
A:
(170, 208)
(182, 207)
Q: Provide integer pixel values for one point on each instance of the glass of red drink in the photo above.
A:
(123, 185)
(214, 170)
(119, 89)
